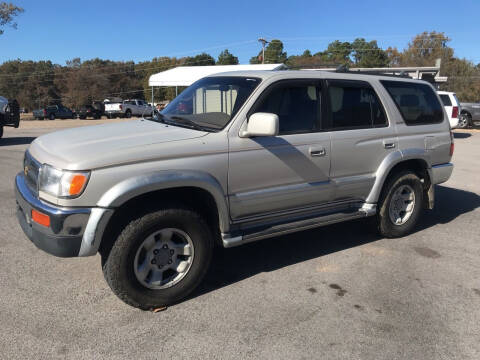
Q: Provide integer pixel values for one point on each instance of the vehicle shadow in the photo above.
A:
(16, 140)
(462, 135)
(236, 264)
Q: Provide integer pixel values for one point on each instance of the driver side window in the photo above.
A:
(297, 105)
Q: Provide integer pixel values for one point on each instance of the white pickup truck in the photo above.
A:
(128, 108)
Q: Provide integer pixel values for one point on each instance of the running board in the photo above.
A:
(282, 229)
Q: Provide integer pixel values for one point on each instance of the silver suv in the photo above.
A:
(237, 157)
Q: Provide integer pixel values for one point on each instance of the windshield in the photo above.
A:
(211, 102)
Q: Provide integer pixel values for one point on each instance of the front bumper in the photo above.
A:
(72, 231)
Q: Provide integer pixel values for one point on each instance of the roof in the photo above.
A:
(187, 75)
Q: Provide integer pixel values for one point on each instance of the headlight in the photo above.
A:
(62, 183)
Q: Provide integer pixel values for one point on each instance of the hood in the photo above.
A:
(91, 147)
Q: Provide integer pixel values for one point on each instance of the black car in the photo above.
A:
(53, 112)
(94, 111)
(9, 114)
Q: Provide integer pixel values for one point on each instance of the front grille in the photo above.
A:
(31, 169)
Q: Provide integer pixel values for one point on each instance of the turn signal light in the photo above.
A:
(76, 184)
(40, 218)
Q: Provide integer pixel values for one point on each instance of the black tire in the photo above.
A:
(465, 121)
(118, 263)
(386, 227)
(82, 117)
(128, 114)
(51, 116)
(1, 131)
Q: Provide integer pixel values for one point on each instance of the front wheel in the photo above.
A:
(159, 258)
(400, 205)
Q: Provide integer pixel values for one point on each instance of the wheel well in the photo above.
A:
(420, 168)
(197, 199)
(465, 112)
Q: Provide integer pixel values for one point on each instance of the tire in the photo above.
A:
(51, 116)
(464, 121)
(82, 117)
(398, 188)
(1, 131)
(119, 264)
(128, 114)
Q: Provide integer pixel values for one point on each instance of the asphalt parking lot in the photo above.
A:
(338, 292)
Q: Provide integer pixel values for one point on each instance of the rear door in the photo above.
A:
(361, 137)
(269, 175)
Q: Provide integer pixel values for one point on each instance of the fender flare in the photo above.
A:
(168, 179)
(390, 161)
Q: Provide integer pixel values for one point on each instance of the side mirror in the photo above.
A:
(262, 124)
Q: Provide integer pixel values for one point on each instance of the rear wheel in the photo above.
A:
(159, 258)
(51, 116)
(400, 205)
(464, 121)
(128, 114)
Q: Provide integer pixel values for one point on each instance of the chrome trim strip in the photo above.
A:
(279, 189)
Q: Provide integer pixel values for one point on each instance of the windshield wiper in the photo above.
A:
(187, 122)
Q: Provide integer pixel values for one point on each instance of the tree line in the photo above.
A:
(39, 83)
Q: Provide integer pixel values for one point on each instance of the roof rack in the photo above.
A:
(345, 70)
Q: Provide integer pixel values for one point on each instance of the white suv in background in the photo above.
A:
(452, 107)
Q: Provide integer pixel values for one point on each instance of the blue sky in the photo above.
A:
(140, 30)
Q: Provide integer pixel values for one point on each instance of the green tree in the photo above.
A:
(274, 54)
(8, 12)
(202, 59)
(368, 54)
(226, 58)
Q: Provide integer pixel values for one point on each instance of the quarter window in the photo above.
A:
(354, 105)
(446, 100)
(417, 102)
(297, 106)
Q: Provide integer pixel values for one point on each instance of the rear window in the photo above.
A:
(446, 100)
(417, 103)
(354, 105)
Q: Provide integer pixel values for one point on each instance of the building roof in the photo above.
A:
(187, 75)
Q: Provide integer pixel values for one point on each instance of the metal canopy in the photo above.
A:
(187, 75)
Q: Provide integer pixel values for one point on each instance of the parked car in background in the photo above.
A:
(452, 107)
(9, 113)
(469, 115)
(95, 111)
(235, 158)
(128, 108)
(53, 112)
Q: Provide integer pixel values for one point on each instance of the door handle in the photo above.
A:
(389, 145)
(317, 152)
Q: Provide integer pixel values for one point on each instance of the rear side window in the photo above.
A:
(354, 105)
(417, 103)
(446, 100)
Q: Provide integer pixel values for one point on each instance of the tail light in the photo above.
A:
(452, 144)
(121, 107)
(455, 112)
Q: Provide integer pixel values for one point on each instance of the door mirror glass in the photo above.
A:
(262, 124)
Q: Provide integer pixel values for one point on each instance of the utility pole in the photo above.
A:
(263, 41)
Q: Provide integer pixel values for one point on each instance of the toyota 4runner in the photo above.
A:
(236, 157)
